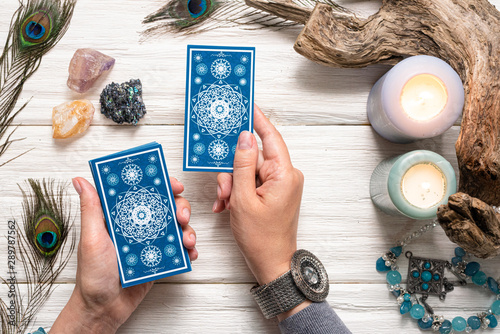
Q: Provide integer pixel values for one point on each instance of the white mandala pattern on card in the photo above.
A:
(131, 174)
(218, 149)
(243, 82)
(198, 57)
(244, 59)
(126, 249)
(113, 179)
(157, 181)
(219, 109)
(201, 69)
(198, 80)
(170, 250)
(240, 70)
(141, 215)
(151, 256)
(177, 261)
(132, 259)
(130, 272)
(196, 136)
(111, 192)
(199, 148)
(105, 169)
(220, 69)
(152, 158)
(151, 170)
(170, 238)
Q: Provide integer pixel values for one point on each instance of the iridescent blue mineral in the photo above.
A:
(123, 102)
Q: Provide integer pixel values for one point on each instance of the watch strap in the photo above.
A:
(278, 296)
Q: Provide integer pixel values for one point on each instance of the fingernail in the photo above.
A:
(245, 141)
(192, 237)
(219, 192)
(77, 186)
(215, 205)
(186, 213)
(195, 254)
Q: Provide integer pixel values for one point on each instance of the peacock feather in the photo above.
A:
(35, 28)
(46, 222)
(193, 16)
(43, 249)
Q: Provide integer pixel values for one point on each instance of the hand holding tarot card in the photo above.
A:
(219, 105)
(139, 208)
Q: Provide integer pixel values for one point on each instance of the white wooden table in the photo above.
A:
(321, 114)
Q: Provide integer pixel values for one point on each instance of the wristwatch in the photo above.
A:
(307, 279)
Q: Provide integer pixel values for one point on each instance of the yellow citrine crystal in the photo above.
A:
(71, 118)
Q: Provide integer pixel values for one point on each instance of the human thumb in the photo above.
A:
(245, 162)
(90, 206)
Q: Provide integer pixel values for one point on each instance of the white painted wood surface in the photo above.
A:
(321, 113)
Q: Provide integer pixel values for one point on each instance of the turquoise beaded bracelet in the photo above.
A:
(40, 330)
(426, 277)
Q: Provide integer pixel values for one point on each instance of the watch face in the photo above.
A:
(310, 276)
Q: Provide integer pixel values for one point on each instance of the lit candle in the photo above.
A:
(413, 184)
(421, 97)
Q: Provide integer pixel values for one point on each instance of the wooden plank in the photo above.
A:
(229, 308)
(338, 220)
(291, 88)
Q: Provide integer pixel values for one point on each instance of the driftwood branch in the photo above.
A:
(471, 223)
(464, 33)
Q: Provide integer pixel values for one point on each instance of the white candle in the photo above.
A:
(414, 184)
(421, 97)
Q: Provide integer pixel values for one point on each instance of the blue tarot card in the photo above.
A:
(219, 105)
(139, 208)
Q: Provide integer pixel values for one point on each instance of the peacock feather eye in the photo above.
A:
(47, 235)
(197, 8)
(190, 12)
(36, 28)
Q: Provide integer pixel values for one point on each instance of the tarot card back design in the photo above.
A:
(139, 208)
(219, 105)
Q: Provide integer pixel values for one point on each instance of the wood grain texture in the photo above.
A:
(229, 308)
(471, 223)
(337, 151)
(308, 94)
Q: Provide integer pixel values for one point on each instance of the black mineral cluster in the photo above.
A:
(123, 102)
